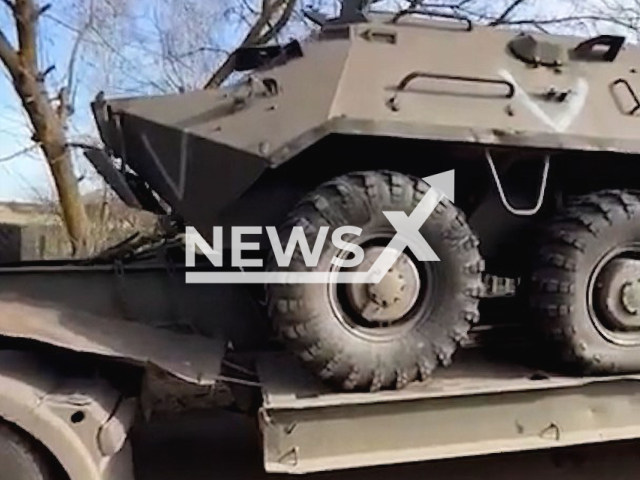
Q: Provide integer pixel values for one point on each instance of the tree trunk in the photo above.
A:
(48, 126)
(49, 132)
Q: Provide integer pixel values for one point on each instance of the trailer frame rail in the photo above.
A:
(475, 407)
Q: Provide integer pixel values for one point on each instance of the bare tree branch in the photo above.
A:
(19, 153)
(26, 15)
(256, 35)
(569, 19)
(508, 11)
(269, 8)
(10, 4)
(280, 23)
(74, 54)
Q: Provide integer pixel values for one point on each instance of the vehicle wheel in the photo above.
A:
(21, 458)
(585, 288)
(366, 336)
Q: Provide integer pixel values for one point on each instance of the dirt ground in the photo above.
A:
(226, 447)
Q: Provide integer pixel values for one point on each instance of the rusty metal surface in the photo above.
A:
(473, 408)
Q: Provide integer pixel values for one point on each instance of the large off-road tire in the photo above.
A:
(22, 459)
(317, 322)
(581, 296)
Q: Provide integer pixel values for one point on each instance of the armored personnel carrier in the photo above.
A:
(541, 132)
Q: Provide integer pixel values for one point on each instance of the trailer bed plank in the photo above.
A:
(476, 407)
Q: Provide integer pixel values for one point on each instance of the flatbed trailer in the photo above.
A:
(78, 382)
(92, 348)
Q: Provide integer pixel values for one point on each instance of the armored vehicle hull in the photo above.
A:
(540, 130)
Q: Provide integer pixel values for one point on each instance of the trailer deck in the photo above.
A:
(477, 406)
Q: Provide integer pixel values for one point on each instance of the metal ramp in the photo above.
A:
(475, 407)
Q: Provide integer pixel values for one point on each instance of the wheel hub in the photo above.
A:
(631, 297)
(618, 294)
(390, 299)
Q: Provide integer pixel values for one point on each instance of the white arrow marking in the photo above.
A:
(565, 119)
(176, 188)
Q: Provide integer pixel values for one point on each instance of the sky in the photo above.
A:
(124, 60)
(19, 175)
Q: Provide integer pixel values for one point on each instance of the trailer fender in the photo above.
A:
(82, 422)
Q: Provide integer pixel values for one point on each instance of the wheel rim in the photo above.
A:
(407, 290)
(392, 298)
(613, 298)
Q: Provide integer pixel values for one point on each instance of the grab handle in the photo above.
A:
(404, 83)
(430, 13)
(632, 92)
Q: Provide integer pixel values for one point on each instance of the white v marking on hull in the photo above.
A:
(562, 121)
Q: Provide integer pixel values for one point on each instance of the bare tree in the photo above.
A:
(504, 16)
(47, 120)
(179, 58)
(583, 17)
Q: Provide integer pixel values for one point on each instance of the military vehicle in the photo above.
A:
(537, 273)
(540, 131)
